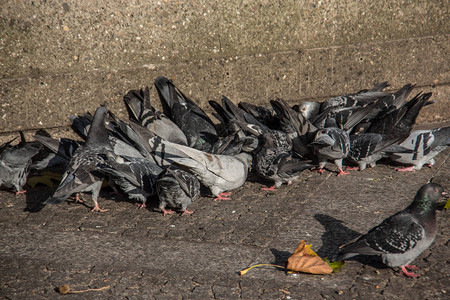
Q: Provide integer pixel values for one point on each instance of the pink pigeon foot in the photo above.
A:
(143, 205)
(405, 169)
(187, 212)
(412, 267)
(97, 208)
(78, 199)
(166, 211)
(272, 188)
(20, 192)
(352, 168)
(319, 170)
(342, 172)
(407, 273)
(223, 196)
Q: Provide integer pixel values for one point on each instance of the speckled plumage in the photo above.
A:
(177, 189)
(81, 174)
(402, 237)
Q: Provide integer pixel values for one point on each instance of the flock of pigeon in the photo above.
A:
(171, 154)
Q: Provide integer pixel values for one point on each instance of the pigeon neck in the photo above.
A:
(422, 205)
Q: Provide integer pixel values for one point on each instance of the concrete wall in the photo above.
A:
(58, 58)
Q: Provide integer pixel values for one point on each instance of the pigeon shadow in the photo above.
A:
(337, 234)
(35, 198)
(280, 258)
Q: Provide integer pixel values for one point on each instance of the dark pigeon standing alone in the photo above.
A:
(403, 236)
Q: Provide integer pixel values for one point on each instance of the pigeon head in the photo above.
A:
(427, 197)
(308, 109)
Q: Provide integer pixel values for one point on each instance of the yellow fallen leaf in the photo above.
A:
(306, 260)
(243, 272)
(335, 265)
(65, 289)
(447, 205)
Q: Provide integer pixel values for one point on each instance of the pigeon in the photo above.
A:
(399, 120)
(82, 174)
(331, 144)
(425, 145)
(368, 148)
(219, 173)
(15, 163)
(141, 111)
(177, 189)
(308, 109)
(377, 104)
(402, 237)
(276, 163)
(301, 131)
(136, 177)
(200, 131)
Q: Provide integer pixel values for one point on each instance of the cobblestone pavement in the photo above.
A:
(142, 254)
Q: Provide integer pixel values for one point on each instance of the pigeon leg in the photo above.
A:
(20, 192)
(342, 172)
(141, 206)
(223, 196)
(272, 188)
(408, 274)
(352, 168)
(319, 170)
(78, 199)
(411, 267)
(187, 212)
(405, 169)
(97, 208)
(166, 211)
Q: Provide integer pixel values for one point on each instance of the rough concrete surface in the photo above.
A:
(142, 254)
(63, 57)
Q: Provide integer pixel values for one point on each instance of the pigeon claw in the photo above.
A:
(272, 188)
(342, 172)
(187, 212)
(141, 206)
(405, 169)
(97, 208)
(223, 196)
(319, 170)
(352, 168)
(166, 211)
(20, 192)
(407, 273)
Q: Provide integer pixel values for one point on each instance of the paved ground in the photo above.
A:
(141, 254)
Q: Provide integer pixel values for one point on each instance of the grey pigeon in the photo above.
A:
(331, 144)
(368, 148)
(219, 173)
(15, 162)
(200, 131)
(82, 174)
(402, 237)
(425, 145)
(136, 177)
(308, 109)
(399, 120)
(276, 162)
(141, 111)
(177, 189)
